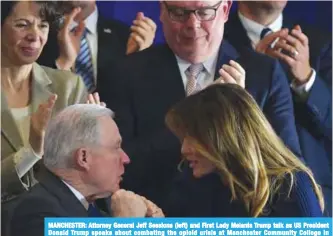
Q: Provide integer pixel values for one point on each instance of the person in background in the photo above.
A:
(88, 42)
(81, 166)
(244, 167)
(30, 93)
(149, 82)
(306, 55)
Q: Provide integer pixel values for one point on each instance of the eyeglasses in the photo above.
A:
(181, 14)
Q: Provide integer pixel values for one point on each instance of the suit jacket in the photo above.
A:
(149, 84)
(46, 81)
(208, 197)
(314, 115)
(112, 44)
(49, 198)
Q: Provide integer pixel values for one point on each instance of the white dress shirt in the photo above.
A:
(253, 30)
(78, 195)
(205, 78)
(92, 37)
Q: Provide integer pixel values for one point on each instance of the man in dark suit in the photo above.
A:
(306, 56)
(87, 41)
(153, 80)
(82, 164)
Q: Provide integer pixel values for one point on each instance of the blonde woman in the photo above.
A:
(240, 166)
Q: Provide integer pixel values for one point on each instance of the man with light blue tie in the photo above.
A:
(306, 55)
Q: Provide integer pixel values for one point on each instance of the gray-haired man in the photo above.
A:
(84, 161)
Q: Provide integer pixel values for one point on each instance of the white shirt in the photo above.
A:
(92, 37)
(205, 78)
(253, 30)
(78, 195)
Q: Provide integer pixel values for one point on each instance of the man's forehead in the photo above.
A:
(192, 4)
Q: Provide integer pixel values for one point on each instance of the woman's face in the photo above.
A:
(200, 165)
(23, 34)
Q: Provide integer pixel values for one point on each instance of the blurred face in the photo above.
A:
(23, 34)
(82, 4)
(192, 38)
(199, 164)
(269, 5)
(108, 159)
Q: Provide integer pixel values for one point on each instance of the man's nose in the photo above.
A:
(193, 21)
(125, 157)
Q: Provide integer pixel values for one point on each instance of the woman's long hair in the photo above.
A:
(229, 129)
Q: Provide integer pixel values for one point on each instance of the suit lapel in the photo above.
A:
(41, 90)
(170, 71)
(65, 196)
(226, 53)
(9, 128)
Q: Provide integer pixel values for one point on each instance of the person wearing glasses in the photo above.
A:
(195, 55)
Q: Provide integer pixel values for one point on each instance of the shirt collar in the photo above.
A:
(90, 22)
(78, 195)
(253, 29)
(209, 65)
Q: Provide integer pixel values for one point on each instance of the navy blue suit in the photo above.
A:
(313, 116)
(149, 84)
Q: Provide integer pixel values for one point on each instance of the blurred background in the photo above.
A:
(317, 13)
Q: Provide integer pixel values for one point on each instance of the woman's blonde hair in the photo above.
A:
(228, 128)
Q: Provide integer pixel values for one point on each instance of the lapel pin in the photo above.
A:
(107, 30)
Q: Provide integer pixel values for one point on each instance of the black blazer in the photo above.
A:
(313, 116)
(149, 82)
(112, 44)
(49, 198)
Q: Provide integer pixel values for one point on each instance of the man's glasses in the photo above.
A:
(182, 15)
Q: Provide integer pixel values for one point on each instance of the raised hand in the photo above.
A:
(38, 124)
(233, 74)
(94, 99)
(69, 41)
(143, 34)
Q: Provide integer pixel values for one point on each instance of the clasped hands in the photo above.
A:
(292, 48)
(128, 204)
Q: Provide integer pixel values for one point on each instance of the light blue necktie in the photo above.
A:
(83, 64)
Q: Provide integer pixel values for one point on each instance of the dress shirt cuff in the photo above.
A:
(303, 90)
(27, 158)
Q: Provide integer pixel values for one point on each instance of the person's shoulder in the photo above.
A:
(115, 26)
(148, 57)
(61, 78)
(257, 61)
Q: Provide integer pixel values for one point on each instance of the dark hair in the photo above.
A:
(51, 11)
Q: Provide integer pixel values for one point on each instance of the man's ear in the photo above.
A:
(83, 158)
(226, 6)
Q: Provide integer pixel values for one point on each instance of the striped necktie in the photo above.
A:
(192, 73)
(83, 63)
